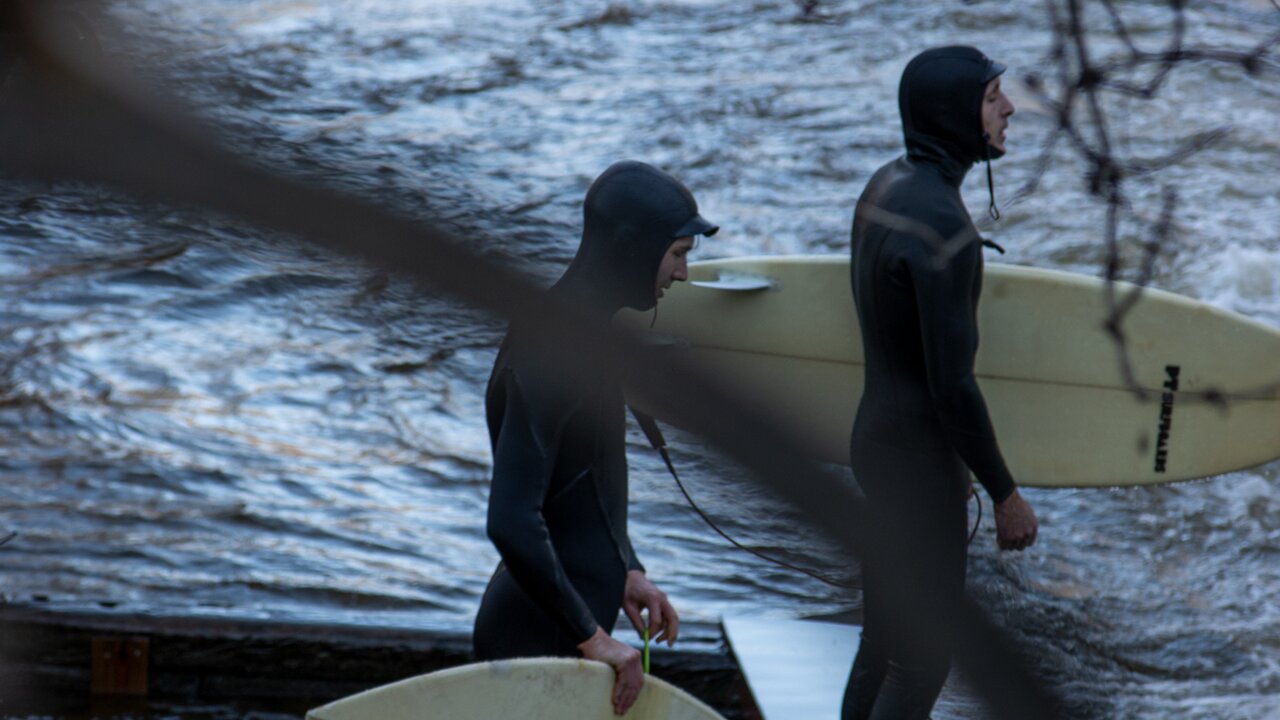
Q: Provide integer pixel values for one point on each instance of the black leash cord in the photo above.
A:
(973, 533)
(705, 518)
(654, 434)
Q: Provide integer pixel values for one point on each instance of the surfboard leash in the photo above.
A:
(973, 492)
(659, 443)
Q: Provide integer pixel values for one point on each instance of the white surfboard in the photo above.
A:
(784, 331)
(529, 689)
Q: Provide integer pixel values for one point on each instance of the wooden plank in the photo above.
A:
(118, 665)
(796, 669)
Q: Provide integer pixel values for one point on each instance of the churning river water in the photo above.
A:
(203, 418)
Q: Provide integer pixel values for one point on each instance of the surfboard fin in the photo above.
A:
(736, 282)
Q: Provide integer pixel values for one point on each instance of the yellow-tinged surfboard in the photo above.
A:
(528, 688)
(784, 331)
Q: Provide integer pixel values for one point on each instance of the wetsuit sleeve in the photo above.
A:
(946, 299)
(634, 562)
(524, 456)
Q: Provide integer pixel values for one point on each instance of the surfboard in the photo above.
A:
(528, 688)
(784, 333)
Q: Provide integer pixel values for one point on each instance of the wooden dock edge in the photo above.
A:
(48, 663)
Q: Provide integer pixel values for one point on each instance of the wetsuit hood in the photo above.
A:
(632, 214)
(940, 99)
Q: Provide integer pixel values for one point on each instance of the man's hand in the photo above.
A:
(641, 595)
(1016, 525)
(625, 661)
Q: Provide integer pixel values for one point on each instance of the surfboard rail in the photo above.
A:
(525, 688)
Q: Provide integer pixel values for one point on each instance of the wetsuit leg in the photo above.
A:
(869, 667)
(919, 499)
(871, 662)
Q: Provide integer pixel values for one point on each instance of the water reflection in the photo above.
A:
(203, 418)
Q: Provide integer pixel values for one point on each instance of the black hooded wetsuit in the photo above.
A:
(558, 502)
(922, 424)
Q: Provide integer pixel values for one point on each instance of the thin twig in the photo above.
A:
(1083, 83)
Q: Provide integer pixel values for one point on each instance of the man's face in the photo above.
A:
(674, 267)
(996, 109)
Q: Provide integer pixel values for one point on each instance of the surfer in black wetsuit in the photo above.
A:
(558, 503)
(922, 425)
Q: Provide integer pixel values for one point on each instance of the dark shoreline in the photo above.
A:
(224, 668)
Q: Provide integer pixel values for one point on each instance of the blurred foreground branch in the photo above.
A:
(82, 121)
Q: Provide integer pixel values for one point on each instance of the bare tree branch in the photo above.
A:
(1082, 83)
